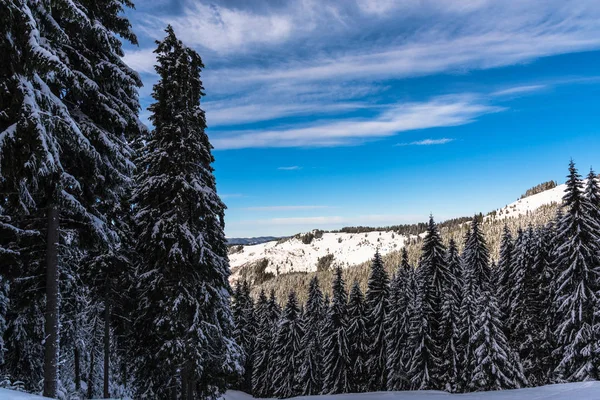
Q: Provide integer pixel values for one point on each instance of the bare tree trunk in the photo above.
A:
(107, 341)
(77, 368)
(90, 380)
(51, 321)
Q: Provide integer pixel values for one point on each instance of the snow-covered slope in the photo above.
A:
(567, 391)
(292, 255)
(531, 203)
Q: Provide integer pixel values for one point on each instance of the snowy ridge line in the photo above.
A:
(530, 203)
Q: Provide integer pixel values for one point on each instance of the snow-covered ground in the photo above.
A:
(294, 256)
(13, 395)
(531, 203)
(567, 391)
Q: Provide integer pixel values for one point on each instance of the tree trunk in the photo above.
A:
(90, 380)
(77, 368)
(51, 318)
(107, 341)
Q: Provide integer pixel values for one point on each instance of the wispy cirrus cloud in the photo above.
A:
(427, 142)
(443, 111)
(519, 90)
(290, 168)
(268, 61)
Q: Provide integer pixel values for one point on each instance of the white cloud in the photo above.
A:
(291, 168)
(519, 90)
(427, 142)
(141, 60)
(439, 112)
(336, 220)
(220, 29)
(230, 195)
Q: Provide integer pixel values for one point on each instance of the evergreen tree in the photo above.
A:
(493, 365)
(4, 287)
(335, 341)
(310, 376)
(358, 341)
(577, 285)
(377, 310)
(184, 306)
(398, 326)
(476, 273)
(244, 331)
(433, 282)
(261, 381)
(286, 349)
(505, 272)
(449, 332)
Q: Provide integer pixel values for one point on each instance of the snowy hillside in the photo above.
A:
(292, 255)
(531, 203)
(568, 391)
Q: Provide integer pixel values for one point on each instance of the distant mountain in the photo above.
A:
(262, 259)
(251, 241)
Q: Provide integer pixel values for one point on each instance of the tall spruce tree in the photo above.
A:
(449, 326)
(505, 272)
(358, 340)
(476, 276)
(433, 281)
(310, 375)
(286, 349)
(72, 106)
(261, 380)
(577, 285)
(244, 331)
(377, 310)
(398, 326)
(493, 365)
(184, 303)
(335, 340)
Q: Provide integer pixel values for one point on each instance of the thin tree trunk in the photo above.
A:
(90, 380)
(77, 368)
(107, 341)
(51, 318)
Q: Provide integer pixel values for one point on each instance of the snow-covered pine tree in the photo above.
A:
(493, 365)
(184, 307)
(286, 349)
(592, 194)
(336, 364)
(358, 340)
(449, 332)
(377, 310)
(476, 273)
(264, 341)
(505, 272)
(244, 331)
(542, 362)
(433, 281)
(577, 285)
(398, 326)
(310, 375)
(528, 319)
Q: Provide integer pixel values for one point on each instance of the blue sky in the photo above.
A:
(326, 114)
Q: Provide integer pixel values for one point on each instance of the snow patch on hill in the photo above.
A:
(566, 391)
(292, 255)
(531, 203)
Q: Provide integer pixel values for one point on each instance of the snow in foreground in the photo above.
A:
(567, 391)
